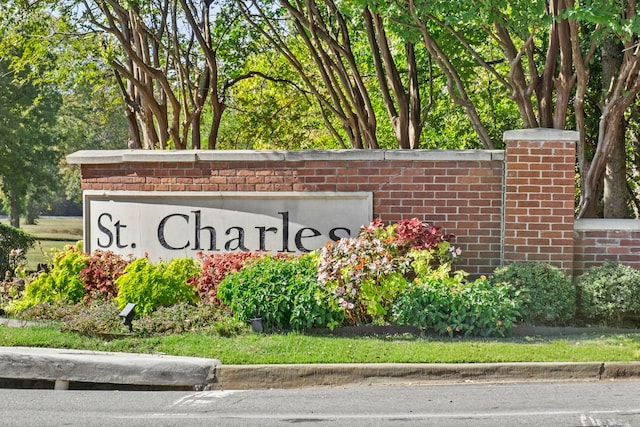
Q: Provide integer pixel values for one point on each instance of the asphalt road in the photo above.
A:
(590, 403)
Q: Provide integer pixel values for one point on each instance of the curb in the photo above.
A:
(238, 377)
(64, 366)
(22, 367)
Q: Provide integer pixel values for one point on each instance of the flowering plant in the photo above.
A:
(364, 274)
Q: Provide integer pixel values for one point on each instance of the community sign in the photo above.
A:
(167, 225)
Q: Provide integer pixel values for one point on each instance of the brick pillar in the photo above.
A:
(539, 197)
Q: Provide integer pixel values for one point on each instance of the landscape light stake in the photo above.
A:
(256, 322)
(127, 314)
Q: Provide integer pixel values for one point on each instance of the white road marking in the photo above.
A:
(586, 419)
(589, 421)
(203, 397)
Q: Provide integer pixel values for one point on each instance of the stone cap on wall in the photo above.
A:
(606, 224)
(541, 134)
(86, 157)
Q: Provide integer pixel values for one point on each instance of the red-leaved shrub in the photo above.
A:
(415, 234)
(100, 274)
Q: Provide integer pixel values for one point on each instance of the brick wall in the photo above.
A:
(601, 240)
(460, 191)
(502, 206)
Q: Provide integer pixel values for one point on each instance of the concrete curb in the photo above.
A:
(235, 377)
(64, 366)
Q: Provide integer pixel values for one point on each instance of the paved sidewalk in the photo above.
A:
(63, 367)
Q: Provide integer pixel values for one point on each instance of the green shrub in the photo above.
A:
(453, 306)
(283, 292)
(14, 244)
(549, 294)
(214, 268)
(610, 295)
(62, 283)
(150, 286)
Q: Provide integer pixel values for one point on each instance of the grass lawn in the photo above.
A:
(52, 233)
(300, 348)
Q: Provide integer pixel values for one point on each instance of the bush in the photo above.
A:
(10, 290)
(50, 311)
(14, 244)
(215, 267)
(182, 317)
(62, 284)
(150, 286)
(100, 274)
(549, 294)
(100, 319)
(366, 273)
(94, 320)
(453, 306)
(283, 292)
(610, 295)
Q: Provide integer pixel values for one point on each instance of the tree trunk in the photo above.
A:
(415, 111)
(610, 123)
(616, 196)
(195, 131)
(14, 211)
(216, 120)
(32, 211)
(134, 130)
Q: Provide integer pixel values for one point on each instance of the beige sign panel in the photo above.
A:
(167, 225)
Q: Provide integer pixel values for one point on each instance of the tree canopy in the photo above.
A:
(360, 74)
(29, 104)
(545, 55)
